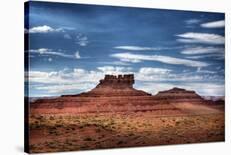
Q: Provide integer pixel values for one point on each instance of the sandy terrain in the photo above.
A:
(63, 132)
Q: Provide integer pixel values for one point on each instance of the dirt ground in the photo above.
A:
(63, 132)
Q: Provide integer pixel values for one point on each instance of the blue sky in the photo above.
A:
(72, 47)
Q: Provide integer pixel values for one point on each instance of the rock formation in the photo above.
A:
(112, 94)
(111, 85)
(117, 82)
(116, 94)
(179, 95)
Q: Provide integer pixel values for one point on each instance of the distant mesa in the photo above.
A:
(178, 94)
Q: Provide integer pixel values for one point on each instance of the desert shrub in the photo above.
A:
(131, 134)
(113, 127)
(35, 126)
(102, 136)
(120, 142)
(60, 117)
(53, 128)
(40, 117)
(81, 126)
(177, 123)
(88, 139)
(51, 118)
(97, 130)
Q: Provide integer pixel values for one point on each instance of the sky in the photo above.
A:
(72, 47)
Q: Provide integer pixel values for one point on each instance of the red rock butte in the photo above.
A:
(111, 85)
(116, 94)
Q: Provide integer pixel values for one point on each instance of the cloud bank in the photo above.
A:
(204, 38)
(44, 29)
(214, 24)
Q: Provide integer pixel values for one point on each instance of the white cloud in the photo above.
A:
(207, 89)
(70, 81)
(76, 75)
(67, 36)
(63, 77)
(170, 77)
(44, 29)
(199, 70)
(118, 63)
(207, 38)
(141, 48)
(81, 40)
(66, 88)
(50, 59)
(79, 75)
(202, 50)
(127, 59)
(192, 21)
(135, 58)
(147, 78)
(115, 70)
(149, 74)
(214, 56)
(214, 24)
(77, 55)
(204, 89)
(154, 88)
(46, 51)
(136, 48)
(150, 70)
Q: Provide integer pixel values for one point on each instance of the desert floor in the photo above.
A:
(63, 132)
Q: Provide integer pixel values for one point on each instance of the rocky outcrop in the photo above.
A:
(117, 82)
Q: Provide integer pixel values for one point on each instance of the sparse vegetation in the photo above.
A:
(81, 132)
(88, 139)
